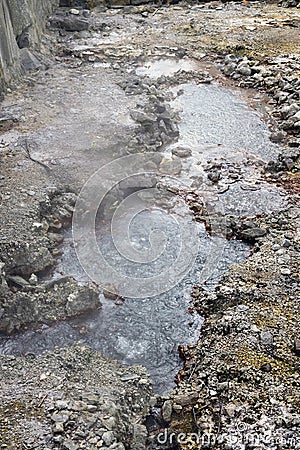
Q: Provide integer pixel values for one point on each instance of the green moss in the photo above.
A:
(283, 369)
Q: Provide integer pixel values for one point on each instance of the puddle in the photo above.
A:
(166, 67)
(223, 133)
(93, 43)
(214, 115)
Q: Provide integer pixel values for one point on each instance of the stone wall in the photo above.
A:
(21, 26)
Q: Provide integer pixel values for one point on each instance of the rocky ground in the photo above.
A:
(239, 387)
(243, 375)
(70, 399)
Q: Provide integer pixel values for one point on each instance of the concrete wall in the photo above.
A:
(21, 21)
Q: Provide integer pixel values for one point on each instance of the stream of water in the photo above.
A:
(219, 128)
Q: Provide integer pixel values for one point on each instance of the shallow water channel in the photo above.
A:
(218, 127)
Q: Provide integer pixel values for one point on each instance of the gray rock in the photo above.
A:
(277, 136)
(162, 127)
(7, 122)
(60, 417)
(61, 404)
(108, 438)
(266, 338)
(287, 124)
(86, 13)
(266, 368)
(58, 427)
(170, 166)
(289, 163)
(244, 69)
(129, 377)
(296, 116)
(82, 299)
(69, 445)
(230, 58)
(166, 411)
(17, 280)
(33, 279)
(177, 408)
(23, 40)
(214, 175)
(110, 292)
(117, 446)
(29, 62)
(290, 110)
(70, 23)
(182, 152)
(142, 117)
(229, 68)
(48, 302)
(297, 347)
(186, 400)
(27, 260)
(250, 234)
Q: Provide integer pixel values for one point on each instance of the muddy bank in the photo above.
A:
(27, 251)
(47, 303)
